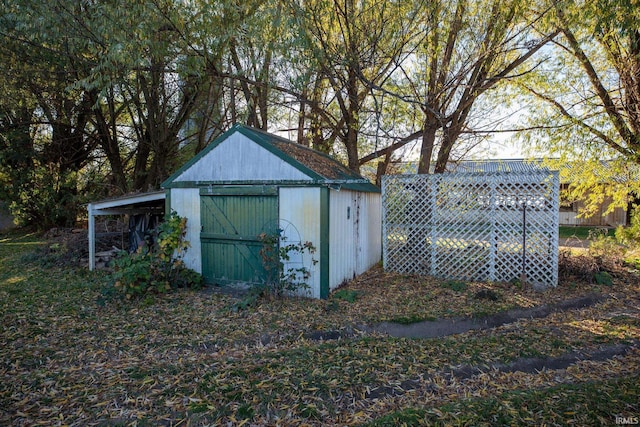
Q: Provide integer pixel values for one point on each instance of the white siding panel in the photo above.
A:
(237, 158)
(342, 237)
(299, 211)
(371, 236)
(186, 202)
(355, 231)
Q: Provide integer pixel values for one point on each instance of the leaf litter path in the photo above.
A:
(589, 363)
(445, 387)
(445, 327)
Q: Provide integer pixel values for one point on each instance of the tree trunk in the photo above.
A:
(315, 137)
(140, 171)
(302, 139)
(382, 169)
(351, 121)
(426, 150)
(450, 135)
(108, 140)
(263, 91)
(252, 114)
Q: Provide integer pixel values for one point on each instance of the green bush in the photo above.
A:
(603, 278)
(275, 253)
(603, 246)
(279, 280)
(630, 235)
(160, 268)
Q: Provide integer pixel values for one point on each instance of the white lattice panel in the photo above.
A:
(473, 226)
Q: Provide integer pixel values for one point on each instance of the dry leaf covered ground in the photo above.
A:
(69, 355)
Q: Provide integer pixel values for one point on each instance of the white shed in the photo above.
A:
(247, 182)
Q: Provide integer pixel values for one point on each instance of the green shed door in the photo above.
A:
(231, 225)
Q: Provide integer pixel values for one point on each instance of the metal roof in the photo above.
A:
(568, 169)
(129, 203)
(321, 167)
(492, 166)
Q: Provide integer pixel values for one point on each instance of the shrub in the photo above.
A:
(279, 280)
(160, 268)
(632, 258)
(603, 246)
(275, 253)
(603, 257)
(603, 278)
(630, 235)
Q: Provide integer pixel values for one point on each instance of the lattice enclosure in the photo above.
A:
(496, 226)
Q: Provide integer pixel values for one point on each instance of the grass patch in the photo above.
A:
(406, 417)
(581, 232)
(591, 403)
(348, 295)
(455, 285)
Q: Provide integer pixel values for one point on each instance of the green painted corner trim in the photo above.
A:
(324, 243)
(167, 203)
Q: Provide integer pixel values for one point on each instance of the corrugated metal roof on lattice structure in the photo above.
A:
(491, 166)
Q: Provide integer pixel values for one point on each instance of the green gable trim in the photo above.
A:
(345, 174)
(324, 243)
(263, 140)
(167, 182)
(365, 187)
(256, 137)
(348, 180)
(203, 184)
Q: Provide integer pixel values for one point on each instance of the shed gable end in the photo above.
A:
(238, 158)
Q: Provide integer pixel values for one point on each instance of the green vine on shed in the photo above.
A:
(275, 253)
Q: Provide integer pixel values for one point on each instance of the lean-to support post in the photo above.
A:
(92, 238)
